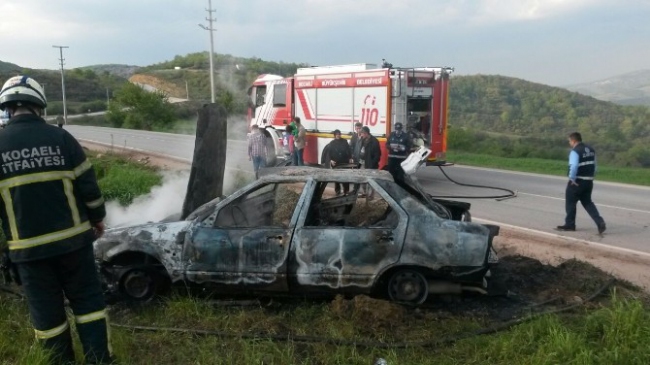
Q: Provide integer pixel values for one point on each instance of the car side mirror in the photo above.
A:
(180, 238)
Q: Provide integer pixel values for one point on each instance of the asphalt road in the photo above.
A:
(539, 204)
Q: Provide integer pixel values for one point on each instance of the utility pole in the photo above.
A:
(44, 110)
(211, 29)
(65, 108)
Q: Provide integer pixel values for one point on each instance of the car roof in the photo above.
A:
(306, 172)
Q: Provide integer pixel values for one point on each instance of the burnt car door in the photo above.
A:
(245, 241)
(342, 243)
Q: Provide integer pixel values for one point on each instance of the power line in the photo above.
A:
(211, 29)
(65, 108)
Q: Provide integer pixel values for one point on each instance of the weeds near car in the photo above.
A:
(121, 179)
(617, 332)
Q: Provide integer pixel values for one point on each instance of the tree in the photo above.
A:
(134, 107)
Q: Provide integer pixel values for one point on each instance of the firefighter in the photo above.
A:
(399, 147)
(52, 210)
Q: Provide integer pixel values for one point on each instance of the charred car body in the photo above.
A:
(287, 233)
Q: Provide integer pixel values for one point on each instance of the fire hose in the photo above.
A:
(511, 193)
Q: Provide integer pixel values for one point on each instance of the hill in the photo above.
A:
(628, 89)
(526, 119)
(9, 67)
(121, 71)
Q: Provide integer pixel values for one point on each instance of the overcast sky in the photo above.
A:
(554, 42)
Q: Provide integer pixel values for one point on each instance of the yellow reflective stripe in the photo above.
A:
(83, 167)
(34, 178)
(90, 317)
(95, 203)
(47, 238)
(44, 335)
(11, 215)
(69, 193)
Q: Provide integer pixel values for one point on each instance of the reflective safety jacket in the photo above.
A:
(48, 189)
(585, 164)
(398, 145)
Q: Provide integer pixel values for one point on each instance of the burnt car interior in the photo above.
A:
(349, 210)
(269, 205)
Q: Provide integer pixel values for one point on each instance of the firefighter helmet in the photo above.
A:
(22, 89)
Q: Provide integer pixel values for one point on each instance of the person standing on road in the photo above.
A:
(338, 155)
(370, 154)
(355, 143)
(288, 142)
(257, 149)
(355, 147)
(582, 169)
(300, 142)
(399, 147)
(52, 210)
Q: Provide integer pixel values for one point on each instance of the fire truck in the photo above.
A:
(336, 97)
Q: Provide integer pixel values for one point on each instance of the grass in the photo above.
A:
(617, 332)
(121, 179)
(626, 175)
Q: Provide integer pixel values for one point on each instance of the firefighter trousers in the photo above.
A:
(74, 275)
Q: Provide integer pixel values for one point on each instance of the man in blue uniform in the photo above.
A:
(52, 210)
(399, 147)
(582, 169)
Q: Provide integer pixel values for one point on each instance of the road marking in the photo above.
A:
(556, 177)
(576, 240)
(599, 205)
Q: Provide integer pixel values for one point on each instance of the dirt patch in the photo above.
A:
(550, 249)
(531, 287)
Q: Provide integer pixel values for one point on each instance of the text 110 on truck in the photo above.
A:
(336, 97)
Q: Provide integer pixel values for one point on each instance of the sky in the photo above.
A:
(553, 42)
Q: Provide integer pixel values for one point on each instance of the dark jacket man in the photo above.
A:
(52, 210)
(370, 149)
(338, 154)
(355, 143)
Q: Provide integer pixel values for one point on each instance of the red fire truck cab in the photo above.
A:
(336, 97)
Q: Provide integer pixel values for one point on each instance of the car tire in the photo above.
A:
(408, 286)
(140, 284)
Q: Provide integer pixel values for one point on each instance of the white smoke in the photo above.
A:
(166, 200)
(161, 202)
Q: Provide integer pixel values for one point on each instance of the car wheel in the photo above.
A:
(140, 284)
(408, 286)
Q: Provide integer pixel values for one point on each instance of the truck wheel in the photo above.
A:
(271, 153)
(408, 286)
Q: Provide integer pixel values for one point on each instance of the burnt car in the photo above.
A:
(289, 233)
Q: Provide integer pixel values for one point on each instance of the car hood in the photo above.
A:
(156, 239)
